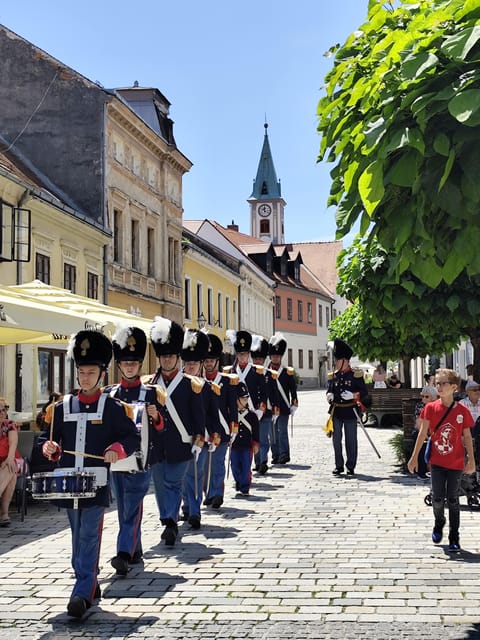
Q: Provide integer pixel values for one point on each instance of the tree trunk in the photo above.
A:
(407, 382)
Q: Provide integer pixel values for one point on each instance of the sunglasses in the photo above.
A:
(425, 396)
(5, 408)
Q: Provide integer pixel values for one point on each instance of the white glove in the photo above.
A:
(196, 450)
(347, 395)
(259, 413)
(329, 396)
(212, 447)
(293, 408)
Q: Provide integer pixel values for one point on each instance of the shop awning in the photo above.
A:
(37, 313)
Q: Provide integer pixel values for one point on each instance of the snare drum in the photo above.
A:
(63, 483)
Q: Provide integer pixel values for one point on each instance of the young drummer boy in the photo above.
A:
(244, 443)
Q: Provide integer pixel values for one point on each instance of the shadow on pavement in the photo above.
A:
(140, 585)
(189, 551)
(96, 625)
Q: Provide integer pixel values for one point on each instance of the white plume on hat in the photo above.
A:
(275, 339)
(256, 342)
(70, 347)
(122, 334)
(160, 329)
(231, 335)
(189, 339)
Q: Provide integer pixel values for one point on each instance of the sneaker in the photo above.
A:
(437, 533)
(454, 547)
(76, 607)
(337, 471)
(350, 472)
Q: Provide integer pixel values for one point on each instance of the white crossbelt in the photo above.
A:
(186, 438)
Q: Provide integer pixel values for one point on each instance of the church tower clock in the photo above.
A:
(266, 202)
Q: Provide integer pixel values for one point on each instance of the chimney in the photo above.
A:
(233, 226)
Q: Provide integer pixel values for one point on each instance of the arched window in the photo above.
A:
(265, 226)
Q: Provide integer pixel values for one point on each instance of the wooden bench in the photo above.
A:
(386, 406)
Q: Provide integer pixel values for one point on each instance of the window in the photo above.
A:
(278, 307)
(135, 244)
(210, 306)
(55, 373)
(219, 310)
(150, 251)
(117, 236)
(92, 285)
(42, 268)
(310, 359)
(70, 277)
(289, 309)
(172, 260)
(309, 313)
(188, 298)
(199, 299)
(289, 358)
(300, 358)
(265, 226)
(227, 312)
(300, 311)
(234, 314)
(320, 316)
(327, 316)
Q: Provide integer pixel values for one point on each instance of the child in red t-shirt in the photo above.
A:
(448, 423)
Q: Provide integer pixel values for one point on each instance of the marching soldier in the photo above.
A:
(131, 477)
(184, 418)
(228, 416)
(245, 443)
(346, 389)
(195, 348)
(87, 433)
(287, 398)
(259, 353)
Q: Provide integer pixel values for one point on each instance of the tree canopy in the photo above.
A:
(401, 121)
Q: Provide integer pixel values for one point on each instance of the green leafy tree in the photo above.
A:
(401, 121)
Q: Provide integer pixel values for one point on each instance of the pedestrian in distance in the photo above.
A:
(448, 423)
(130, 478)
(346, 391)
(428, 394)
(87, 432)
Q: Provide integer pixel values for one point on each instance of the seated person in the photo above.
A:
(394, 382)
(10, 459)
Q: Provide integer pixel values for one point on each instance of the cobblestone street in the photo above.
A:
(307, 556)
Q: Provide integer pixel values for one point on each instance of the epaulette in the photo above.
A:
(146, 378)
(290, 371)
(196, 383)
(217, 389)
(48, 413)
(162, 394)
(227, 369)
(259, 369)
(273, 373)
(233, 378)
(330, 375)
(358, 373)
(128, 409)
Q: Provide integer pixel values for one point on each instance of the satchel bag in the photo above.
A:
(428, 449)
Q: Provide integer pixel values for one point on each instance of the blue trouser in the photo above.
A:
(241, 462)
(351, 444)
(217, 472)
(129, 490)
(192, 495)
(446, 484)
(264, 429)
(167, 483)
(279, 437)
(86, 526)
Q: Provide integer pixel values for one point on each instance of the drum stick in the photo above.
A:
(85, 455)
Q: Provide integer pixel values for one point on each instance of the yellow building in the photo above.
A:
(211, 286)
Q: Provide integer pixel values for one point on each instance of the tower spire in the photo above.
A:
(266, 185)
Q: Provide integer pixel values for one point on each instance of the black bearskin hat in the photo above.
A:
(129, 343)
(90, 347)
(277, 345)
(215, 347)
(259, 347)
(166, 336)
(195, 346)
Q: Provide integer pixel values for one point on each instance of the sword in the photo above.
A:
(195, 476)
(209, 472)
(232, 439)
(291, 425)
(359, 421)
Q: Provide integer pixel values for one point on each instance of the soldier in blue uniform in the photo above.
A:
(184, 418)
(194, 351)
(245, 442)
(224, 385)
(259, 353)
(130, 478)
(346, 389)
(88, 432)
(287, 398)
(247, 372)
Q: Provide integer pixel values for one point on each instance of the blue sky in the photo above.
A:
(224, 66)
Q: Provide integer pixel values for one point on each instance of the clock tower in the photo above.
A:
(266, 202)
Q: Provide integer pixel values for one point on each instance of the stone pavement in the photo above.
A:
(306, 556)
